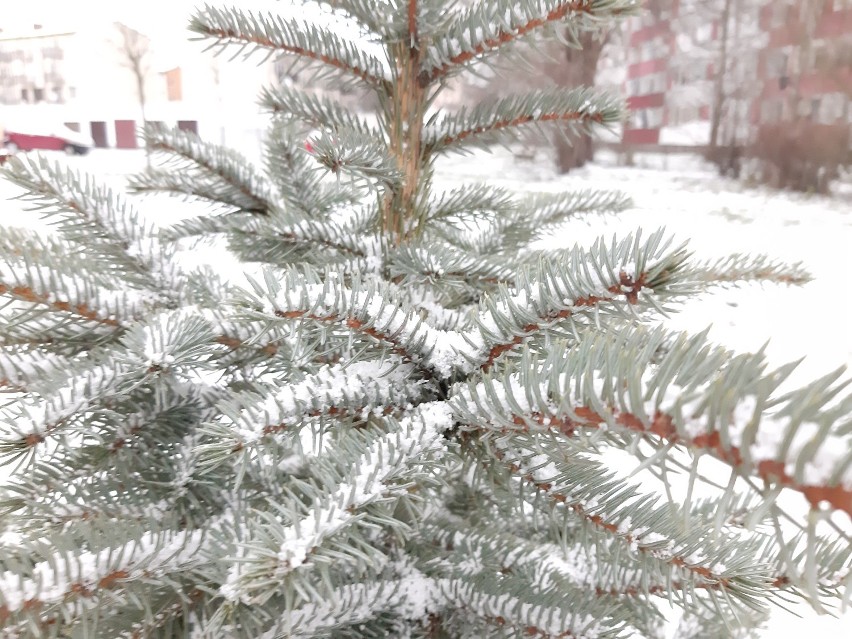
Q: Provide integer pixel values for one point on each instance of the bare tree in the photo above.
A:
(808, 140)
(135, 50)
(716, 43)
(578, 68)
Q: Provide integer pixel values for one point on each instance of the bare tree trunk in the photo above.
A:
(719, 81)
(140, 89)
(135, 49)
(578, 70)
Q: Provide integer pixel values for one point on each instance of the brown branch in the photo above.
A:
(116, 577)
(412, 22)
(270, 348)
(78, 589)
(29, 295)
(626, 286)
(660, 589)
(504, 37)
(322, 242)
(523, 119)
(600, 522)
(356, 325)
(363, 74)
(8, 386)
(332, 411)
(194, 598)
(161, 145)
(663, 427)
(530, 631)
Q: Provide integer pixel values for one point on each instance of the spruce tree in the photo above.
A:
(410, 423)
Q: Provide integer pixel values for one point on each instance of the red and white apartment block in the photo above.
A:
(674, 48)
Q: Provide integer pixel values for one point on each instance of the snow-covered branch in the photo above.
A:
(681, 391)
(378, 474)
(493, 120)
(492, 25)
(267, 31)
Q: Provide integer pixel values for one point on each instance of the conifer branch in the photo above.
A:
(492, 25)
(494, 119)
(508, 227)
(93, 218)
(535, 614)
(367, 308)
(468, 202)
(162, 347)
(104, 313)
(39, 326)
(738, 268)
(277, 34)
(293, 170)
(357, 155)
(377, 19)
(545, 209)
(614, 508)
(24, 368)
(663, 426)
(597, 568)
(383, 471)
(715, 404)
(355, 603)
(9, 386)
(291, 234)
(270, 348)
(314, 111)
(185, 604)
(403, 427)
(443, 263)
(21, 247)
(84, 484)
(226, 175)
(358, 389)
(62, 580)
(606, 279)
(30, 424)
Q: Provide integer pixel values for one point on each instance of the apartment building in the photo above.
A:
(650, 45)
(34, 65)
(78, 74)
(722, 69)
(806, 68)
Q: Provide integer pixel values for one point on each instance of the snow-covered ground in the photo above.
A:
(717, 216)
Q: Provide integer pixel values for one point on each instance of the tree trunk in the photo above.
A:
(578, 70)
(719, 81)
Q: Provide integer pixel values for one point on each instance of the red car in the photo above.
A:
(57, 138)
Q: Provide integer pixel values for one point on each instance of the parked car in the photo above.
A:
(52, 138)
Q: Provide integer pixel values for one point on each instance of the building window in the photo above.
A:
(831, 108)
(703, 34)
(778, 14)
(648, 118)
(815, 110)
(770, 111)
(174, 85)
(38, 94)
(25, 94)
(776, 63)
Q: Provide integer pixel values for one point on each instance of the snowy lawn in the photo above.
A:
(717, 216)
